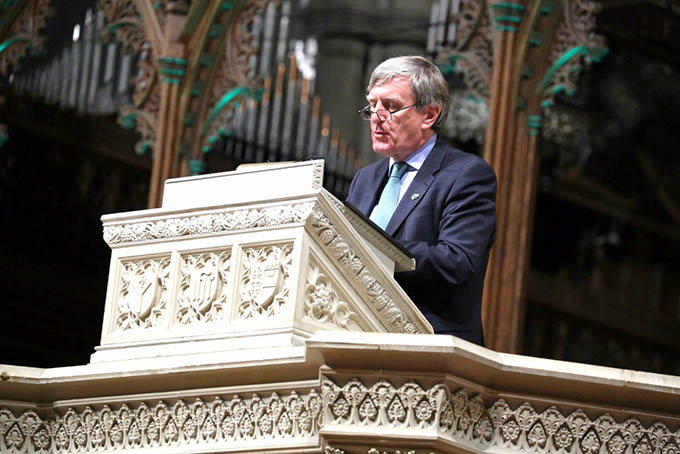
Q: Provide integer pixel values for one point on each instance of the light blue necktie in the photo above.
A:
(390, 196)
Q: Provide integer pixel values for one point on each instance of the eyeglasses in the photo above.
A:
(383, 115)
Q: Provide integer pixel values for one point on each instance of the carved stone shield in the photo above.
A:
(266, 280)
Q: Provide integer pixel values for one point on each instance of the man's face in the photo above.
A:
(409, 129)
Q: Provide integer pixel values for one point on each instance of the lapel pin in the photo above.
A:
(415, 196)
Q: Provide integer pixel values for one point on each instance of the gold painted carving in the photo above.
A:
(23, 33)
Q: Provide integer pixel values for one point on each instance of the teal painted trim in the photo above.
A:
(3, 139)
(546, 9)
(514, 6)
(573, 52)
(533, 132)
(145, 148)
(173, 61)
(506, 28)
(537, 118)
(129, 121)
(206, 148)
(196, 167)
(227, 5)
(599, 56)
(10, 42)
(197, 89)
(547, 103)
(170, 80)
(215, 30)
(213, 139)
(535, 41)
(189, 120)
(205, 60)
(172, 71)
(514, 19)
(226, 99)
(157, 5)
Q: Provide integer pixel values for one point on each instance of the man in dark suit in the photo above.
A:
(437, 201)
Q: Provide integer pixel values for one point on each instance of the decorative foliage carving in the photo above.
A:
(357, 271)
(575, 44)
(209, 223)
(142, 296)
(22, 34)
(125, 22)
(322, 303)
(233, 80)
(265, 277)
(163, 425)
(463, 417)
(204, 291)
(472, 52)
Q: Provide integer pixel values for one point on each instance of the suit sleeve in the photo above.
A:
(466, 231)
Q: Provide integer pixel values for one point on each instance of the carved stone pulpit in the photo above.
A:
(257, 258)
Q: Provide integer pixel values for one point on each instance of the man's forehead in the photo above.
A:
(395, 88)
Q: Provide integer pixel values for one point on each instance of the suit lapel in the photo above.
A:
(376, 180)
(417, 189)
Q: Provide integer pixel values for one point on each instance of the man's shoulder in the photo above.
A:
(455, 159)
(373, 168)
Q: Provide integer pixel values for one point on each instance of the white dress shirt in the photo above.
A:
(415, 161)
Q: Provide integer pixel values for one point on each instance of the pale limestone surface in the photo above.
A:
(273, 325)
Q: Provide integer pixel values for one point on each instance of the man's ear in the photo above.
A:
(431, 115)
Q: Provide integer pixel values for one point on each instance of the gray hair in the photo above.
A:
(427, 82)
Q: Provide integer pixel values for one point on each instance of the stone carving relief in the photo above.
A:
(126, 25)
(265, 281)
(323, 305)
(209, 223)
(234, 70)
(455, 415)
(163, 425)
(338, 250)
(22, 34)
(465, 417)
(204, 291)
(142, 295)
(575, 44)
(471, 54)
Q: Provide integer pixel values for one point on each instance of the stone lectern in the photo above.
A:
(260, 257)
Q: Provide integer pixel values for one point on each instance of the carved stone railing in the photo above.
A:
(227, 329)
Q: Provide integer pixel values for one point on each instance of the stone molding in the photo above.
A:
(186, 425)
(337, 248)
(220, 222)
(455, 415)
(487, 426)
(372, 235)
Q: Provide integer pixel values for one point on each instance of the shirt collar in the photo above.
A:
(417, 159)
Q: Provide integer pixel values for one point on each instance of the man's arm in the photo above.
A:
(466, 231)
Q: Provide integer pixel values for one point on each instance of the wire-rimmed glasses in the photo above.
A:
(383, 115)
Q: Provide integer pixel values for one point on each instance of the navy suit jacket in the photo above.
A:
(447, 220)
